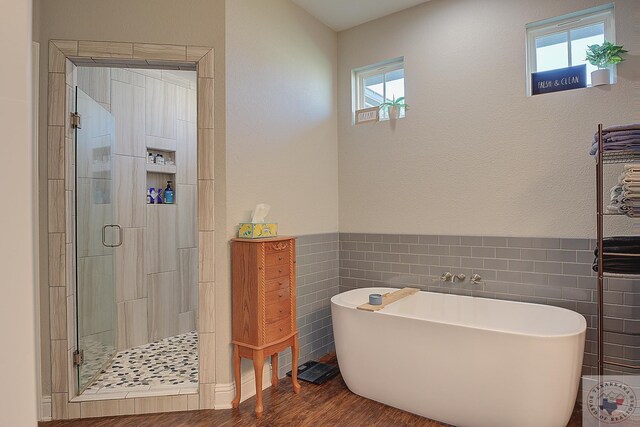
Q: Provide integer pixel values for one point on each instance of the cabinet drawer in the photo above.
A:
(277, 296)
(276, 271)
(278, 247)
(279, 258)
(277, 284)
(278, 310)
(278, 329)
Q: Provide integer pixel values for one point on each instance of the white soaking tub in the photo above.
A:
(462, 360)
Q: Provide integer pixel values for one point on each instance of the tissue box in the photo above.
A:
(250, 230)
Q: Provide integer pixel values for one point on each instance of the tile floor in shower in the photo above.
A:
(162, 367)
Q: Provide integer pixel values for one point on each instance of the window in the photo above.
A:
(379, 83)
(562, 42)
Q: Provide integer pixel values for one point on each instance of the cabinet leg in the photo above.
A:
(294, 366)
(236, 370)
(274, 370)
(258, 364)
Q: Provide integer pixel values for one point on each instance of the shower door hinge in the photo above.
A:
(75, 121)
(78, 357)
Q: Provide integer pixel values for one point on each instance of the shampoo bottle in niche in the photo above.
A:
(168, 193)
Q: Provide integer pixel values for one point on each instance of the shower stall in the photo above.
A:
(135, 216)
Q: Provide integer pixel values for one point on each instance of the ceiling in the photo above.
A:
(344, 14)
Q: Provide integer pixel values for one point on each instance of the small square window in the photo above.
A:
(378, 83)
(562, 42)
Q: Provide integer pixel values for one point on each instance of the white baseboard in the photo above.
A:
(224, 392)
(45, 408)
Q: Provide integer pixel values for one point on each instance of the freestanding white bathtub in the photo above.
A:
(462, 360)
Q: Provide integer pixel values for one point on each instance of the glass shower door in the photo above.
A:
(95, 238)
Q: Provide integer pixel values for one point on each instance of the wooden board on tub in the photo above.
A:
(389, 298)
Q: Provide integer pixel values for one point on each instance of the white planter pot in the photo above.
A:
(600, 77)
(394, 113)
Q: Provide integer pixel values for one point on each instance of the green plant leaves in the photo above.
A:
(605, 54)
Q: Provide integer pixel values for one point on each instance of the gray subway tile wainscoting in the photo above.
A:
(316, 282)
(552, 271)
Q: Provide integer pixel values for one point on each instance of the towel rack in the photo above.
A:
(610, 157)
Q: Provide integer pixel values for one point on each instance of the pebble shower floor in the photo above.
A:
(168, 363)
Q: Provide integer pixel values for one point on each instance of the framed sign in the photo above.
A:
(559, 80)
(367, 115)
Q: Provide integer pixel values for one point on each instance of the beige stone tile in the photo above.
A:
(186, 322)
(180, 78)
(187, 276)
(187, 104)
(70, 269)
(162, 144)
(206, 220)
(160, 238)
(206, 65)
(205, 154)
(163, 305)
(69, 177)
(206, 259)
(129, 176)
(55, 152)
(127, 107)
(194, 299)
(159, 52)
(67, 47)
(205, 103)
(58, 313)
(206, 310)
(132, 323)
(193, 402)
(71, 72)
(187, 162)
(148, 405)
(96, 49)
(71, 321)
(207, 396)
(127, 406)
(100, 408)
(56, 203)
(160, 108)
(130, 274)
(69, 103)
(186, 203)
(96, 82)
(59, 354)
(57, 259)
(69, 217)
(56, 59)
(59, 404)
(207, 371)
(56, 99)
(194, 53)
(73, 411)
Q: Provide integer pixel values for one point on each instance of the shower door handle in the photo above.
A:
(104, 235)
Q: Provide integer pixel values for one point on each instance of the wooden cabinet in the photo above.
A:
(264, 307)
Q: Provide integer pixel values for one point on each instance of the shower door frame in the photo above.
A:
(64, 56)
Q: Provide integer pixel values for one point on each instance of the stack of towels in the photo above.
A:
(618, 138)
(625, 195)
(619, 255)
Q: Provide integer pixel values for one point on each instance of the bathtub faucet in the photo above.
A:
(459, 277)
(446, 277)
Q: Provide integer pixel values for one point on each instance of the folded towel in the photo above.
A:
(618, 264)
(626, 244)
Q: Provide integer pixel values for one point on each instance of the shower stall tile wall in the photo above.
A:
(554, 271)
(156, 271)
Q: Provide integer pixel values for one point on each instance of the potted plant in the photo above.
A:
(393, 107)
(603, 56)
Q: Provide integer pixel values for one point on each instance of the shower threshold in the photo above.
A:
(165, 367)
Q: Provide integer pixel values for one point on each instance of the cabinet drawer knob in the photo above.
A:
(279, 270)
(279, 258)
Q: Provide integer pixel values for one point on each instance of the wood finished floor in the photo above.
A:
(331, 404)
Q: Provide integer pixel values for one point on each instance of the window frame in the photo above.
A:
(360, 74)
(565, 24)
